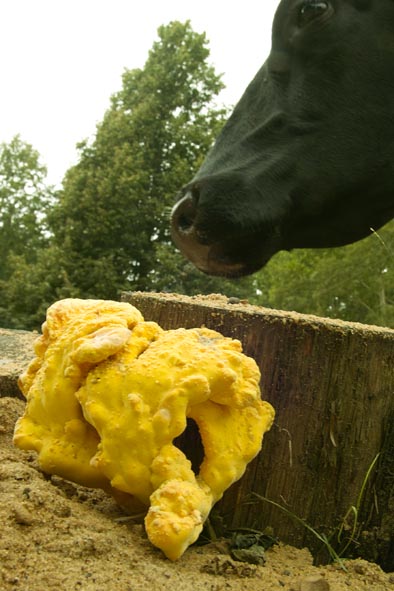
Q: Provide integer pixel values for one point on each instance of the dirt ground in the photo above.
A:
(58, 536)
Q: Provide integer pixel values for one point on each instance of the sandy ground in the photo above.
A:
(58, 536)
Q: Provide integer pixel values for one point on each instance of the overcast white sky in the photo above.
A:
(62, 59)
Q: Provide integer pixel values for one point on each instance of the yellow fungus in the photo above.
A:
(108, 393)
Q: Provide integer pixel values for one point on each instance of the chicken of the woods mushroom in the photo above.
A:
(107, 394)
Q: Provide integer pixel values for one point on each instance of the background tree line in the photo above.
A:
(107, 228)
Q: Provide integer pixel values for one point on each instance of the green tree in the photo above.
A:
(32, 287)
(113, 214)
(24, 202)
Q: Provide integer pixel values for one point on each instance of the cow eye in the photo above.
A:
(311, 10)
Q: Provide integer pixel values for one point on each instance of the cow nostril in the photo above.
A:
(184, 213)
(185, 223)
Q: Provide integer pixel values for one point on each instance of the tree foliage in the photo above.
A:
(354, 282)
(113, 212)
(109, 228)
(24, 202)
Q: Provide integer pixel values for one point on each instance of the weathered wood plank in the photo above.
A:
(332, 385)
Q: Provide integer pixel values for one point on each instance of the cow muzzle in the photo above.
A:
(194, 243)
(229, 254)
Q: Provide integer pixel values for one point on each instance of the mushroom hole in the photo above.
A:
(190, 443)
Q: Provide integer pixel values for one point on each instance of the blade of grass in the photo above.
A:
(356, 509)
(322, 538)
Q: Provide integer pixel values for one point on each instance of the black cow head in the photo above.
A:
(307, 157)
